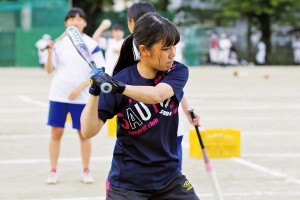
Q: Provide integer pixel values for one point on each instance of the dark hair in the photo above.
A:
(75, 11)
(117, 27)
(139, 9)
(149, 29)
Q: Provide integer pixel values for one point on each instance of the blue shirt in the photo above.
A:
(145, 155)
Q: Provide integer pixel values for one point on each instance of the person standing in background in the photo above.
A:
(224, 50)
(213, 49)
(112, 46)
(296, 49)
(69, 91)
(41, 46)
(261, 53)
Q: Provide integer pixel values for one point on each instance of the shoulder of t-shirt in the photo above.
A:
(177, 64)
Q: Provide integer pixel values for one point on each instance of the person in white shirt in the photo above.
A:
(41, 46)
(296, 49)
(224, 49)
(213, 49)
(261, 53)
(111, 45)
(69, 90)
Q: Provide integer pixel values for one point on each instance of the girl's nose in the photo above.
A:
(173, 51)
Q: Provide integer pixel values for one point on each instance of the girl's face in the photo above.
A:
(117, 34)
(76, 21)
(131, 25)
(158, 57)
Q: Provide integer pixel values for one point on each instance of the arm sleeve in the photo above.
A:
(177, 78)
(108, 106)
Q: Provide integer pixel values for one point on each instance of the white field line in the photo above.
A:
(32, 136)
(261, 168)
(271, 155)
(256, 95)
(34, 102)
(251, 107)
(231, 194)
(46, 160)
(265, 170)
(252, 118)
(108, 158)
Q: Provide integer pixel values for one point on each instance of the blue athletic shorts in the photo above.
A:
(58, 113)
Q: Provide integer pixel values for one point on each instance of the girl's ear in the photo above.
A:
(144, 51)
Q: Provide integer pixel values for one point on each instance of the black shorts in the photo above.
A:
(179, 188)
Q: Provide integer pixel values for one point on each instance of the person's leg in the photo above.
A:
(56, 119)
(54, 146)
(85, 144)
(86, 148)
(86, 175)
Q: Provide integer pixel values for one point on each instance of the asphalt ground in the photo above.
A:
(262, 102)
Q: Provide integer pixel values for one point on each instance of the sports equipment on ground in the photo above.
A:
(208, 165)
(83, 51)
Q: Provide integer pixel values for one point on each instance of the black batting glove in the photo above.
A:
(117, 86)
(94, 89)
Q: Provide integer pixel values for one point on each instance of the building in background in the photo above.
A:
(22, 24)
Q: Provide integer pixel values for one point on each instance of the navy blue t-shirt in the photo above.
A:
(145, 154)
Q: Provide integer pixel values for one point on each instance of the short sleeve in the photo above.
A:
(177, 77)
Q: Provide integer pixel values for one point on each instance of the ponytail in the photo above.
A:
(126, 58)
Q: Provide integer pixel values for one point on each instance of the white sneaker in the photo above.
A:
(52, 178)
(87, 177)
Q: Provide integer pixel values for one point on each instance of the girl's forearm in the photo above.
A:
(90, 123)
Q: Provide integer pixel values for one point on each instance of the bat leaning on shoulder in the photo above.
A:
(208, 166)
(83, 51)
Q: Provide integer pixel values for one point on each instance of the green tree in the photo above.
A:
(96, 10)
(93, 9)
(262, 14)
